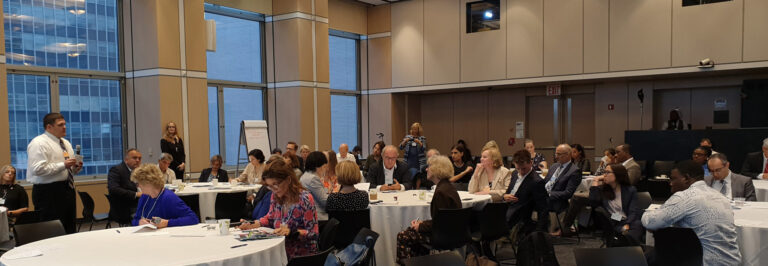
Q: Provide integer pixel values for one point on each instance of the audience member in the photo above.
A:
(697, 206)
(168, 175)
(730, 184)
(490, 176)
(410, 242)
(467, 153)
(462, 170)
(391, 174)
(674, 122)
(421, 180)
(157, 206)
(561, 182)
(292, 147)
(215, 171)
(344, 154)
(292, 212)
(14, 196)
(580, 158)
(705, 142)
(172, 144)
(303, 152)
(415, 146)
(293, 161)
(348, 198)
(539, 162)
(609, 157)
(122, 190)
(615, 195)
(624, 156)
(374, 158)
(329, 180)
(756, 163)
(277, 151)
(700, 156)
(312, 179)
(525, 194)
(263, 198)
(358, 153)
(491, 144)
(252, 172)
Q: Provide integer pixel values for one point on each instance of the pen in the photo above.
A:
(118, 231)
(237, 246)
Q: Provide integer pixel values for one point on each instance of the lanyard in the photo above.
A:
(153, 204)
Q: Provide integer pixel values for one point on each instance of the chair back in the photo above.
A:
(677, 246)
(493, 221)
(28, 217)
(450, 228)
(311, 260)
(193, 202)
(27, 233)
(230, 205)
(328, 235)
(619, 256)
(350, 222)
(644, 200)
(88, 205)
(662, 168)
(362, 238)
(441, 259)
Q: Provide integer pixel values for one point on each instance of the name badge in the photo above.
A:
(616, 217)
(413, 144)
(2, 201)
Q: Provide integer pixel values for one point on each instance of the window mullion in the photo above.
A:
(55, 99)
(222, 132)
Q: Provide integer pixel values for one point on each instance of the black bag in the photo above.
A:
(536, 250)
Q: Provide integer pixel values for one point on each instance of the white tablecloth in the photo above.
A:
(107, 247)
(390, 217)
(752, 229)
(208, 195)
(4, 236)
(761, 189)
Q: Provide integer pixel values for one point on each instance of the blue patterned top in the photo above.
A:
(301, 215)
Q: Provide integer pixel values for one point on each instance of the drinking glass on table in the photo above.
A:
(373, 194)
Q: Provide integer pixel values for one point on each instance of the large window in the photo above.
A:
(44, 40)
(344, 83)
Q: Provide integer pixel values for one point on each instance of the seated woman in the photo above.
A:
(329, 180)
(252, 172)
(14, 196)
(215, 172)
(163, 163)
(293, 161)
(156, 201)
(490, 177)
(374, 157)
(462, 169)
(609, 157)
(348, 198)
(258, 204)
(539, 162)
(613, 192)
(580, 158)
(292, 211)
(315, 170)
(409, 242)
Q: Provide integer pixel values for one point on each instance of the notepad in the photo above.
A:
(140, 228)
(363, 186)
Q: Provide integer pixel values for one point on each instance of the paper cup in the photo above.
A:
(223, 227)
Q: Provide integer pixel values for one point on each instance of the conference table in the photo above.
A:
(751, 222)
(208, 192)
(761, 189)
(392, 216)
(188, 245)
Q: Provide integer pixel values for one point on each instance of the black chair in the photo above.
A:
(442, 259)
(328, 234)
(677, 246)
(450, 229)
(112, 217)
(28, 217)
(644, 200)
(193, 202)
(88, 215)
(662, 168)
(27, 233)
(350, 222)
(619, 256)
(311, 260)
(230, 205)
(493, 225)
(361, 238)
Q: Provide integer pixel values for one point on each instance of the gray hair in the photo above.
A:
(765, 143)
(720, 157)
(166, 157)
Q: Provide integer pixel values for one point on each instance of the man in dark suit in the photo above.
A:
(123, 193)
(525, 194)
(755, 165)
(391, 174)
(561, 182)
(730, 184)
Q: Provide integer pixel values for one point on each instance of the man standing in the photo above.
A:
(561, 182)
(729, 184)
(51, 168)
(122, 191)
(624, 156)
(391, 173)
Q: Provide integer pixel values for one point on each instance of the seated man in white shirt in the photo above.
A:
(344, 154)
(730, 184)
(391, 173)
(697, 206)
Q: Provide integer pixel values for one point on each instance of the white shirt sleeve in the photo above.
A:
(40, 159)
(666, 215)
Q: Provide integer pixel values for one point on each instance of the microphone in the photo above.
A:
(77, 149)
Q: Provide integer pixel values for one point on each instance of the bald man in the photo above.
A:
(561, 182)
(344, 154)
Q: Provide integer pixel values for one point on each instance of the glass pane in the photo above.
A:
(343, 63)
(344, 121)
(80, 34)
(238, 50)
(92, 109)
(241, 104)
(213, 120)
(29, 100)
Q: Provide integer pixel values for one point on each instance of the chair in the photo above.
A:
(493, 225)
(88, 215)
(644, 200)
(360, 238)
(230, 205)
(310, 260)
(442, 259)
(328, 234)
(677, 246)
(193, 202)
(350, 223)
(28, 217)
(27, 233)
(450, 229)
(619, 256)
(112, 217)
(662, 168)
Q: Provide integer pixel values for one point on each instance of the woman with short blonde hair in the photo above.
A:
(348, 198)
(14, 196)
(157, 206)
(490, 177)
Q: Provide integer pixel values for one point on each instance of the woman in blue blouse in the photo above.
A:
(415, 147)
(156, 201)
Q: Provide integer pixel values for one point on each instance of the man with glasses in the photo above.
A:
(700, 156)
(730, 184)
(391, 173)
(292, 147)
(525, 194)
(561, 182)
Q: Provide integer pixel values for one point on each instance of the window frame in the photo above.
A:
(357, 92)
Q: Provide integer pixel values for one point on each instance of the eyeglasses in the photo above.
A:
(274, 186)
(607, 172)
(716, 170)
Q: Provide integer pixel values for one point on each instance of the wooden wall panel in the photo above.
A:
(755, 31)
(194, 34)
(505, 108)
(525, 38)
(408, 44)
(702, 103)
(470, 119)
(563, 37)
(437, 120)
(379, 19)
(483, 54)
(640, 34)
(596, 36)
(707, 31)
(199, 138)
(380, 62)
(348, 16)
(441, 42)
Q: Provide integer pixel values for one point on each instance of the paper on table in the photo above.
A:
(137, 229)
(363, 186)
(24, 254)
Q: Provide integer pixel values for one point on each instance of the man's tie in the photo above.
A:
(70, 178)
(551, 182)
(765, 171)
(723, 188)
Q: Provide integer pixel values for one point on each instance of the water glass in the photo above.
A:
(373, 194)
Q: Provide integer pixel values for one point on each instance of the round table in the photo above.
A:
(761, 189)
(168, 246)
(208, 194)
(390, 217)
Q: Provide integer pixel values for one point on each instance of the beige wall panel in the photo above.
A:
(702, 104)
(321, 51)
(286, 34)
(666, 100)
(483, 53)
(505, 107)
(380, 63)
(305, 48)
(130, 120)
(289, 6)
(324, 119)
(525, 38)
(640, 35)
(145, 50)
(348, 16)
(258, 6)
(321, 8)
(707, 31)
(170, 105)
(437, 120)
(148, 115)
(563, 37)
(380, 113)
(755, 31)
(126, 38)
(5, 138)
(634, 113)
(366, 137)
(610, 124)
(596, 36)
(470, 119)
(197, 102)
(194, 35)
(289, 122)
(408, 44)
(399, 128)
(441, 42)
(272, 118)
(167, 13)
(307, 117)
(379, 19)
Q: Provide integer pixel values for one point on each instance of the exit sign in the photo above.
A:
(553, 90)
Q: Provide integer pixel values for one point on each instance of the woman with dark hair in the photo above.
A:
(252, 172)
(315, 170)
(467, 153)
(613, 192)
(674, 122)
(462, 169)
(329, 180)
(609, 157)
(580, 158)
(172, 144)
(374, 157)
(291, 213)
(293, 161)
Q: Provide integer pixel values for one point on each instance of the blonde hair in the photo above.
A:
(418, 125)
(491, 145)
(303, 148)
(148, 174)
(440, 167)
(495, 156)
(6, 168)
(167, 136)
(348, 173)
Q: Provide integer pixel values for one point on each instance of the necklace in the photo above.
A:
(153, 205)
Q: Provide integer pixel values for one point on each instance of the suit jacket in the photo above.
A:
(446, 197)
(753, 164)
(122, 193)
(634, 172)
(741, 186)
(402, 175)
(628, 204)
(531, 196)
(222, 175)
(564, 186)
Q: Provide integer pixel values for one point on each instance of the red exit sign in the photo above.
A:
(554, 90)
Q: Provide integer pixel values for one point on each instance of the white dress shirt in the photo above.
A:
(389, 176)
(349, 157)
(45, 159)
(718, 185)
(627, 161)
(765, 160)
(518, 181)
(169, 176)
